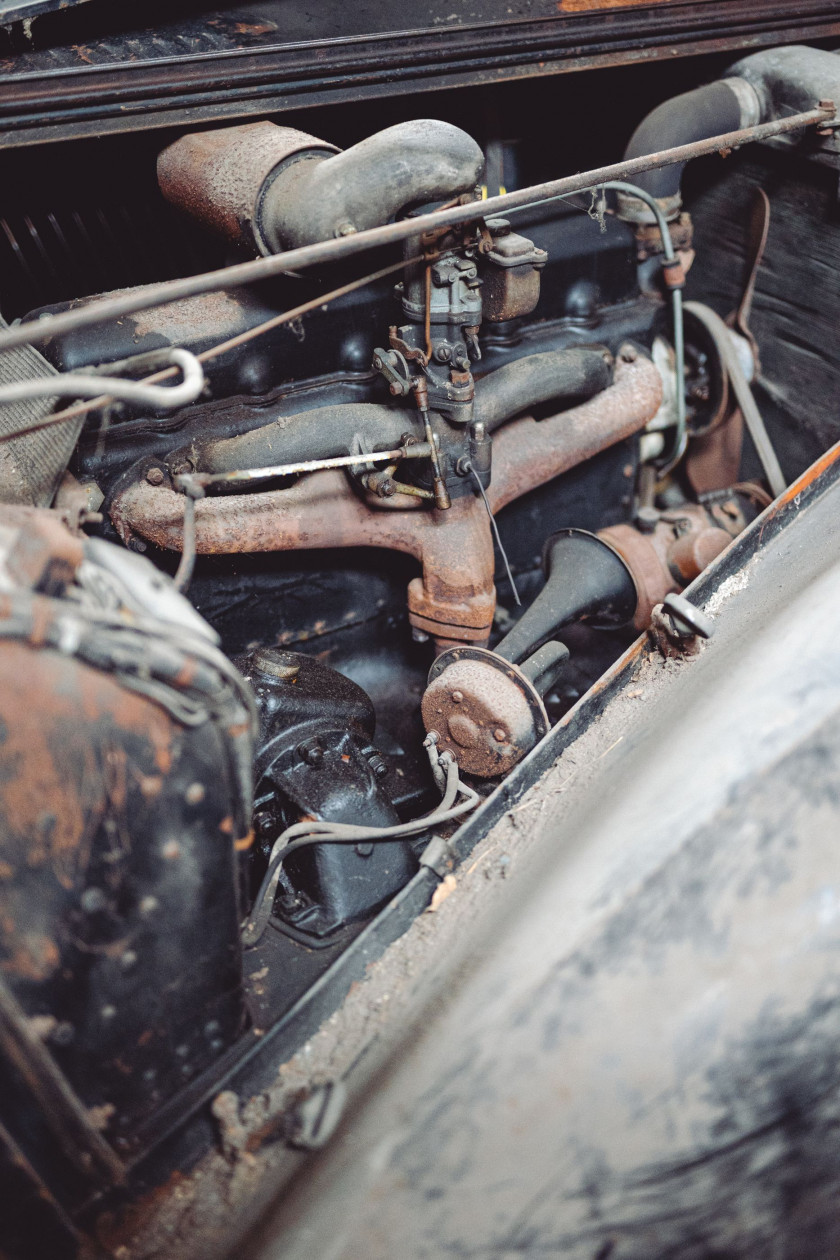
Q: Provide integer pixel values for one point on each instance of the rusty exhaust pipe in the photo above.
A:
(454, 599)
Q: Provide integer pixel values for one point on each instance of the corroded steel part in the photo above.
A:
(486, 712)
(454, 599)
(531, 452)
(221, 177)
(685, 541)
(128, 947)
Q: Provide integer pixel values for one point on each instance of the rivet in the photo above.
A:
(500, 735)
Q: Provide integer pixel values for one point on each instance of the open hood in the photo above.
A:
(20, 10)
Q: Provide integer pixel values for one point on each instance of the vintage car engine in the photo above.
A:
(295, 569)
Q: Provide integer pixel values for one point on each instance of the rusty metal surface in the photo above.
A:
(529, 453)
(454, 600)
(219, 177)
(485, 711)
(93, 760)
(685, 542)
(454, 597)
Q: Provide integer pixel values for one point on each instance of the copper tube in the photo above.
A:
(454, 599)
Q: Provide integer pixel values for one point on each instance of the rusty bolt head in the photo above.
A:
(155, 476)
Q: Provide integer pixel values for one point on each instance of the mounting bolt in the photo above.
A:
(647, 519)
(346, 229)
(457, 697)
(375, 761)
(499, 735)
(312, 753)
(155, 476)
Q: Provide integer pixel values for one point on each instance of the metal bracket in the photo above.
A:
(439, 856)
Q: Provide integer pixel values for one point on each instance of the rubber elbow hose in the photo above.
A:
(714, 109)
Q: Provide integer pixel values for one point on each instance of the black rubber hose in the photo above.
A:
(574, 374)
(706, 111)
(369, 184)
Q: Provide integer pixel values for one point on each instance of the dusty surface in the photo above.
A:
(209, 1211)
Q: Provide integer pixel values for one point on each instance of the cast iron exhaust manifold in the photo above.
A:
(454, 600)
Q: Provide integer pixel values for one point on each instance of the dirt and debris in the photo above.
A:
(212, 1209)
(444, 889)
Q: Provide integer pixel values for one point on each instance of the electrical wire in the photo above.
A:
(467, 466)
(186, 566)
(304, 834)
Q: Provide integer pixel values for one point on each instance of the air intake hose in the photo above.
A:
(275, 188)
(760, 88)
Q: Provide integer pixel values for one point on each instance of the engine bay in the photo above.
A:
(299, 563)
